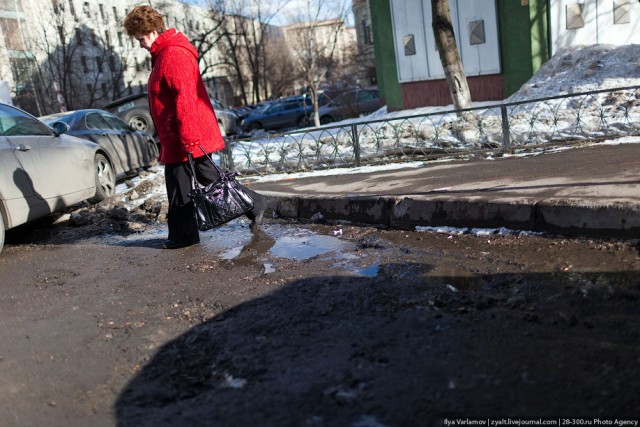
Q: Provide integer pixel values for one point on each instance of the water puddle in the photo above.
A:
(305, 247)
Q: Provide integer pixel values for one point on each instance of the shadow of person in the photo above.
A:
(400, 349)
(38, 210)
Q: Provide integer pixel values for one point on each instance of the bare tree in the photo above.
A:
(314, 39)
(246, 34)
(449, 54)
(81, 61)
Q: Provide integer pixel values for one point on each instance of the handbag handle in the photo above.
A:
(194, 181)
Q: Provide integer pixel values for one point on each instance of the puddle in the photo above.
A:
(305, 247)
(235, 242)
(371, 271)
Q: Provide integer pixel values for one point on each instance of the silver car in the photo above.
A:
(227, 119)
(43, 171)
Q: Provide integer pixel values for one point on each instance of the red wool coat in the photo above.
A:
(178, 101)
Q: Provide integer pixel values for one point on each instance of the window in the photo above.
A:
(86, 9)
(79, 36)
(107, 38)
(115, 123)
(365, 95)
(115, 12)
(102, 14)
(61, 33)
(83, 61)
(621, 12)
(15, 122)
(574, 17)
(95, 120)
(366, 32)
(94, 39)
(99, 62)
(56, 6)
(476, 32)
(10, 5)
(72, 9)
(12, 35)
(103, 87)
(120, 40)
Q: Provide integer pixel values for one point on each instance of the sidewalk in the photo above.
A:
(588, 191)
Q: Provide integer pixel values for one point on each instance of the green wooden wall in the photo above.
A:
(524, 45)
(386, 69)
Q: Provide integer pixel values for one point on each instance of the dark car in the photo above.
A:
(282, 114)
(354, 103)
(129, 149)
(134, 109)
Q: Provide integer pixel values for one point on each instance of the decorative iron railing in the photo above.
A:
(490, 129)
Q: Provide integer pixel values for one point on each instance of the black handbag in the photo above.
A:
(220, 201)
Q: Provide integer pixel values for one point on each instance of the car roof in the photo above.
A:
(126, 99)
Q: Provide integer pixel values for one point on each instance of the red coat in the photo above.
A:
(178, 101)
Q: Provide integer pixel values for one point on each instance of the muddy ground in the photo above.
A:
(311, 325)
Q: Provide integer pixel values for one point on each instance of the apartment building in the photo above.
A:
(70, 54)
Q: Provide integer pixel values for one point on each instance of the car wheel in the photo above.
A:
(105, 179)
(1, 233)
(303, 122)
(325, 120)
(154, 153)
(255, 126)
(140, 120)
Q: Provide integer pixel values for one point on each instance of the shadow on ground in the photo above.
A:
(402, 349)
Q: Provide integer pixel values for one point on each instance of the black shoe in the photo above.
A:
(257, 213)
(170, 244)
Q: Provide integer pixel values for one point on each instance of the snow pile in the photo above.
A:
(581, 69)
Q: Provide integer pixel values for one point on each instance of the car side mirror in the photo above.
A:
(60, 127)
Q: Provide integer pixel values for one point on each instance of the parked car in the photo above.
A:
(134, 109)
(43, 171)
(354, 103)
(129, 149)
(281, 114)
(227, 119)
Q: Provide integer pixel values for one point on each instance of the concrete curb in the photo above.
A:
(566, 217)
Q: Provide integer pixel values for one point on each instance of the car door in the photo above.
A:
(346, 105)
(16, 190)
(368, 102)
(274, 116)
(132, 145)
(100, 132)
(55, 171)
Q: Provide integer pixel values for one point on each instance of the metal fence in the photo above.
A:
(492, 129)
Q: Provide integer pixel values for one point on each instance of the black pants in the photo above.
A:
(181, 220)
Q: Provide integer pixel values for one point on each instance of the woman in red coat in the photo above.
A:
(184, 119)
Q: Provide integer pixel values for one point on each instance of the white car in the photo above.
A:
(43, 171)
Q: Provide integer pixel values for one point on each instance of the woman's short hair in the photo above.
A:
(143, 20)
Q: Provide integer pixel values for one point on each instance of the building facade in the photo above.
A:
(502, 43)
(69, 54)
